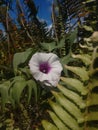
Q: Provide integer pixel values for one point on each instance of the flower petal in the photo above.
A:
(57, 65)
(53, 76)
(34, 69)
(52, 58)
(35, 59)
(37, 75)
(53, 79)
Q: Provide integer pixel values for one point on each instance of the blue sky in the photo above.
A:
(44, 11)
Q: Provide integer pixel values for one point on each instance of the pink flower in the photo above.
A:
(46, 68)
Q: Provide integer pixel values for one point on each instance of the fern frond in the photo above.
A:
(75, 104)
(48, 126)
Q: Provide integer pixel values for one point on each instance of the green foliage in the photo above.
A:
(53, 45)
(32, 87)
(4, 93)
(21, 58)
(75, 104)
(72, 35)
(17, 88)
(86, 58)
(57, 121)
(88, 28)
(71, 106)
(80, 71)
(48, 126)
(11, 91)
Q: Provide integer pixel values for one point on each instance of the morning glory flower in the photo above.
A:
(46, 68)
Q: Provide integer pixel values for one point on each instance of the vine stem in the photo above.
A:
(53, 19)
(7, 27)
(22, 22)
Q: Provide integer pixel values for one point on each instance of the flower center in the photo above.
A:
(44, 67)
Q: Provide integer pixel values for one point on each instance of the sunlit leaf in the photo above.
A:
(88, 28)
(92, 116)
(80, 71)
(75, 84)
(92, 128)
(69, 106)
(57, 121)
(86, 59)
(93, 100)
(64, 116)
(48, 126)
(72, 96)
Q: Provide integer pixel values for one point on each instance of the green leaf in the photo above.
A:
(92, 116)
(57, 121)
(32, 86)
(21, 58)
(66, 59)
(49, 46)
(64, 116)
(17, 89)
(88, 28)
(4, 88)
(26, 71)
(61, 43)
(93, 84)
(16, 79)
(37, 129)
(76, 84)
(11, 98)
(92, 128)
(86, 59)
(8, 121)
(93, 100)
(69, 106)
(1, 124)
(72, 96)
(72, 36)
(48, 126)
(80, 71)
